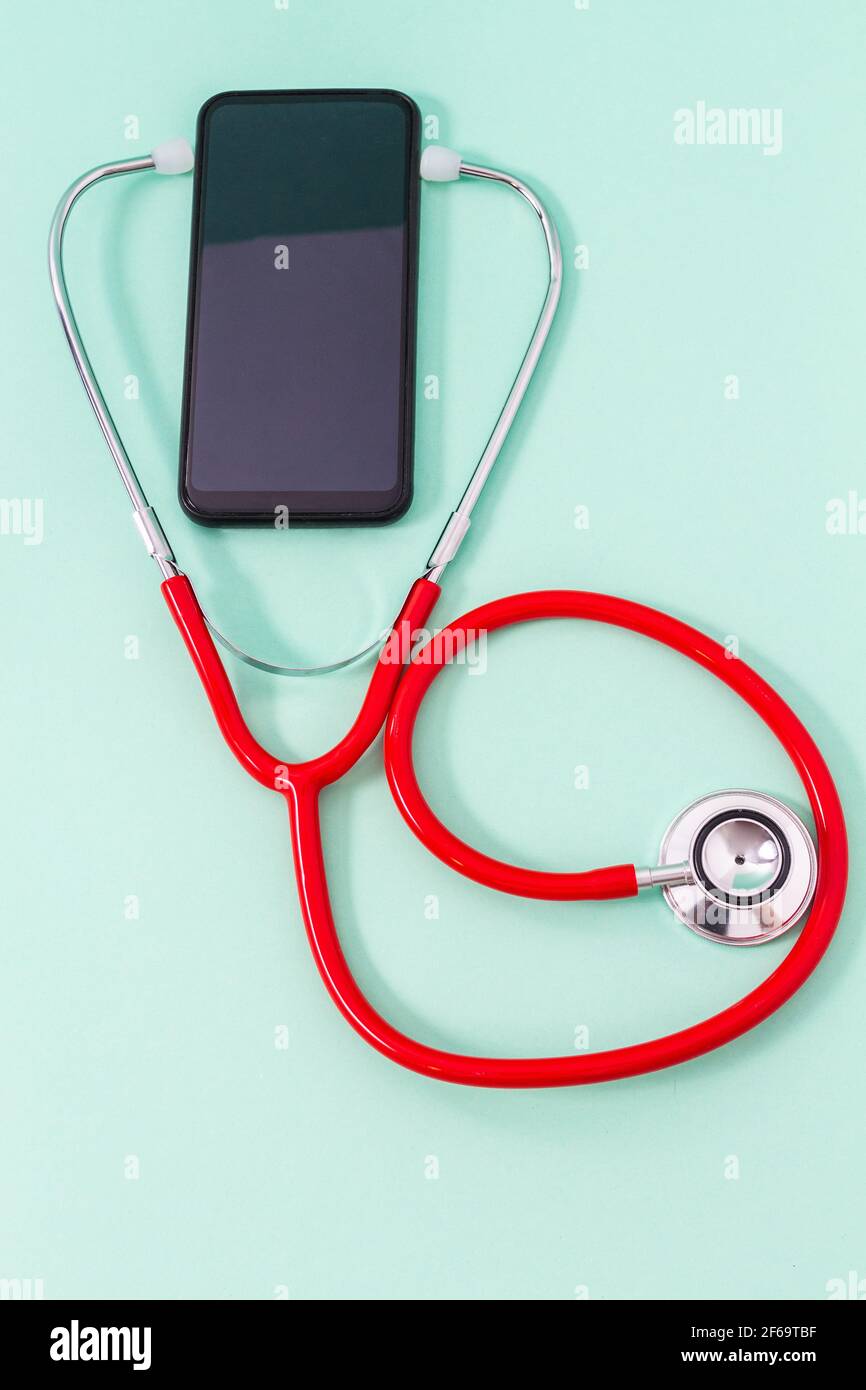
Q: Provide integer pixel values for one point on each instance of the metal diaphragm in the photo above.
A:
(753, 867)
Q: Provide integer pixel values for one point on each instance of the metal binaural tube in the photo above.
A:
(145, 518)
(458, 523)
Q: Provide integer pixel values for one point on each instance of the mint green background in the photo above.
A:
(305, 1168)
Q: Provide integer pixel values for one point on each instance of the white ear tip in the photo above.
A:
(440, 165)
(173, 156)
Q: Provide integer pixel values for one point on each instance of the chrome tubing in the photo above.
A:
(144, 516)
(458, 523)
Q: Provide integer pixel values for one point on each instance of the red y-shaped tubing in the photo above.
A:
(398, 700)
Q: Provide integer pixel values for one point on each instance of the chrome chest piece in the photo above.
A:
(749, 867)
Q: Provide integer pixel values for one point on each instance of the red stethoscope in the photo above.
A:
(737, 867)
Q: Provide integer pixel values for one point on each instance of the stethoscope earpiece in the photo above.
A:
(440, 165)
(750, 865)
(174, 156)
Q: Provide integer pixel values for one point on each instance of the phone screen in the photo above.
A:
(300, 341)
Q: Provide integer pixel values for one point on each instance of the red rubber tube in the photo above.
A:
(398, 700)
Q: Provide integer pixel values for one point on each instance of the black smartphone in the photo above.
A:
(300, 352)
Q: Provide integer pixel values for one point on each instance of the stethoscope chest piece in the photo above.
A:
(752, 867)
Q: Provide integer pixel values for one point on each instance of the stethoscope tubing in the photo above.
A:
(397, 686)
(399, 682)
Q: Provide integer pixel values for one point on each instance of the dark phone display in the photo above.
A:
(300, 373)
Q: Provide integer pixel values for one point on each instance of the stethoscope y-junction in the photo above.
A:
(736, 866)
